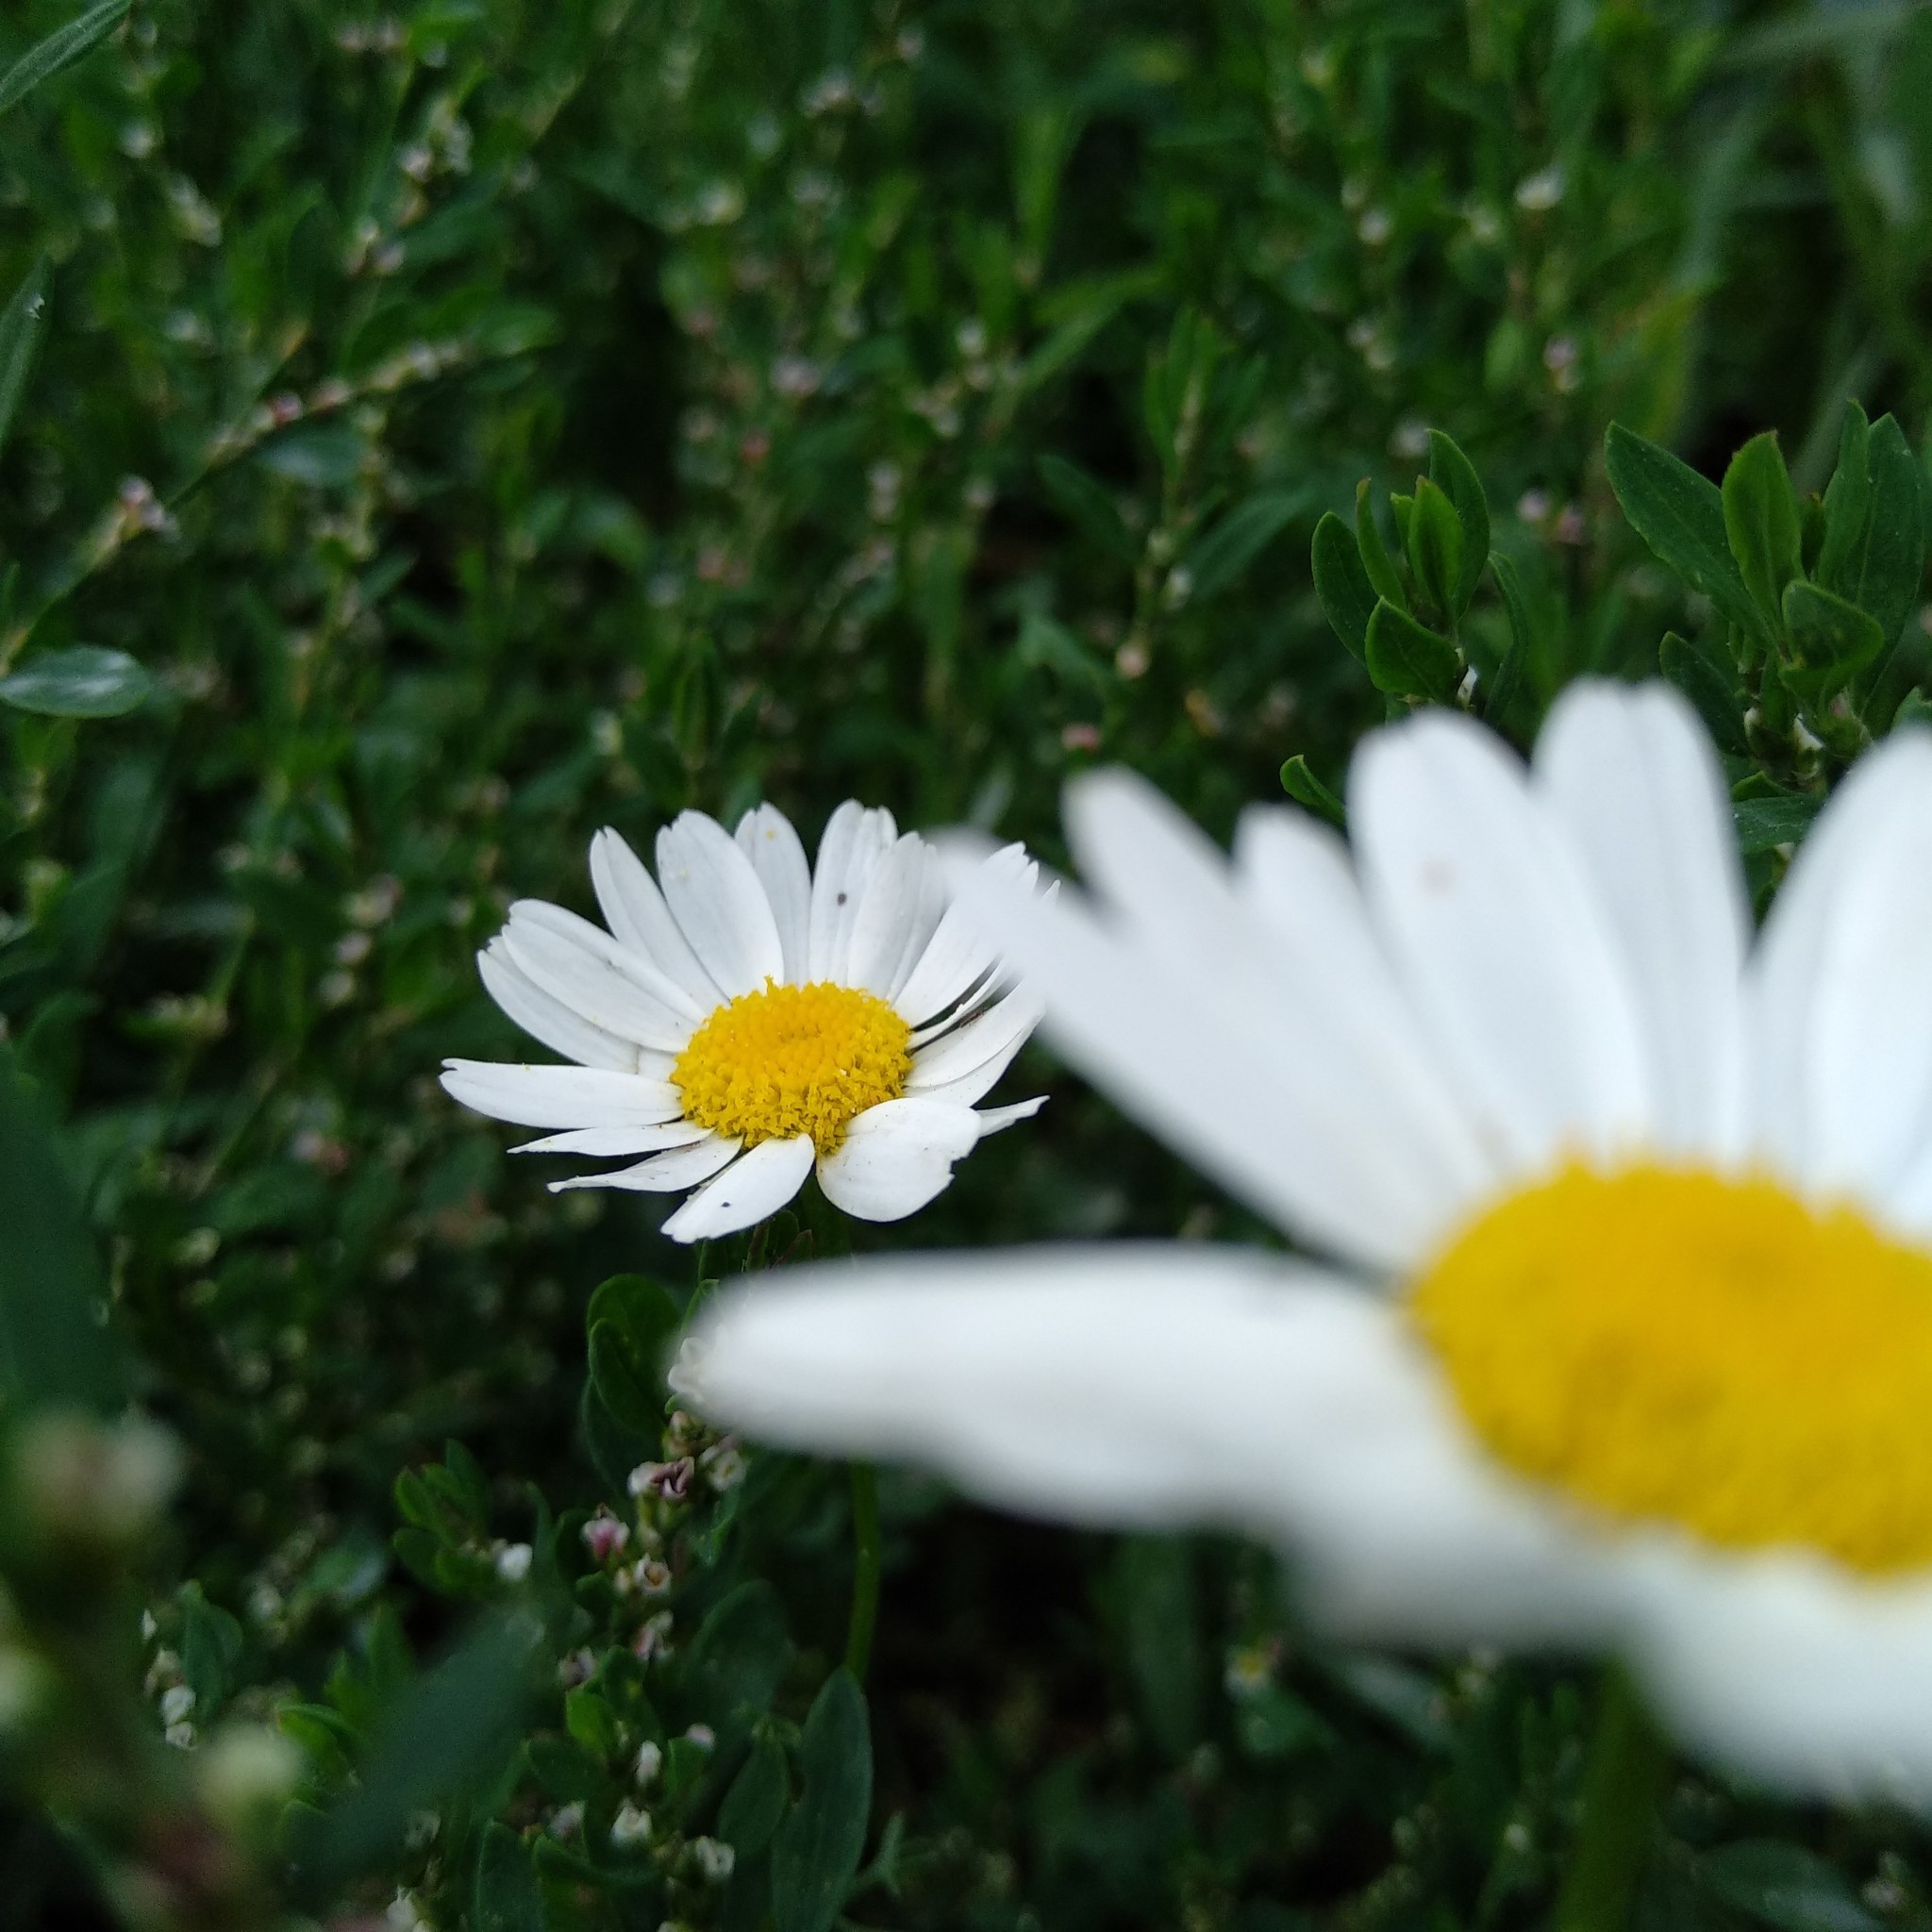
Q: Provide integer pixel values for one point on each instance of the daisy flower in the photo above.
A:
(748, 1019)
(1624, 1337)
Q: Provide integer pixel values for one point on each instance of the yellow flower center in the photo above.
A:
(1668, 1346)
(793, 1060)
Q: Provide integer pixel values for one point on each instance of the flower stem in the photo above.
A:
(1623, 1785)
(865, 1568)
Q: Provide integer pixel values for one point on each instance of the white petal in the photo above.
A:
(1162, 1386)
(766, 838)
(994, 1120)
(1483, 901)
(897, 897)
(1294, 874)
(626, 962)
(572, 971)
(616, 1140)
(561, 1096)
(663, 1173)
(1843, 1021)
(963, 1065)
(544, 1017)
(959, 955)
(1631, 773)
(855, 842)
(751, 1188)
(896, 1157)
(719, 904)
(637, 913)
(1797, 1674)
(1199, 1069)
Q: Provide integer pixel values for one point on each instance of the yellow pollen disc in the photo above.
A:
(1670, 1346)
(793, 1060)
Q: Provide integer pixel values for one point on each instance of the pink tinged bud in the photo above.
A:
(604, 1537)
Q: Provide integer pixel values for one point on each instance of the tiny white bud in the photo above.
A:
(630, 1826)
(650, 1762)
(513, 1562)
(567, 1821)
(176, 1702)
(715, 1858)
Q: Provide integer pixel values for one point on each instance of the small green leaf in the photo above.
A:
(1218, 557)
(446, 1733)
(23, 326)
(740, 1652)
(1847, 497)
(1273, 1723)
(1711, 686)
(816, 1852)
(60, 48)
(1681, 516)
(1453, 472)
(1341, 584)
(1765, 823)
(1832, 639)
(615, 1374)
(506, 1896)
(1089, 505)
(1882, 570)
(755, 1800)
(1309, 790)
(1514, 668)
(1435, 546)
(52, 1348)
(1407, 660)
(1375, 553)
(82, 681)
(1786, 1887)
(1761, 523)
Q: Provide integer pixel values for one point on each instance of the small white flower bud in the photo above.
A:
(513, 1562)
(650, 1762)
(177, 1700)
(715, 1858)
(630, 1826)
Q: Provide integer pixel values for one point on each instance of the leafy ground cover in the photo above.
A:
(434, 435)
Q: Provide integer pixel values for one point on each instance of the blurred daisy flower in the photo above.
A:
(1628, 1342)
(748, 1018)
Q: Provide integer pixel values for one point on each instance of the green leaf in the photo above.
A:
(23, 327)
(1435, 546)
(1272, 1722)
(1784, 1886)
(82, 681)
(1761, 521)
(1681, 516)
(1341, 584)
(1218, 557)
(1514, 668)
(755, 1800)
(1453, 472)
(505, 1894)
(1765, 823)
(816, 1852)
(1847, 497)
(1377, 561)
(1161, 1619)
(1089, 505)
(631, 1320)
(210, 1648)
(1711, 685)
(52, 1348)
(447, 1733)
(1047, 644)
(60, 48)
(1832, 639)
(1407, 660)
(1882, 571)
(739, 1656)
(1309, 790)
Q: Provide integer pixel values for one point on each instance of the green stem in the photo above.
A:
(1623, 1782)
(865, 1568)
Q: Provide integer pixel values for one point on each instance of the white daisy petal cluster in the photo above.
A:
(1626, 1341)
(749, 1018)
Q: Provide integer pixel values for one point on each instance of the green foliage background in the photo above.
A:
(485, 422)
